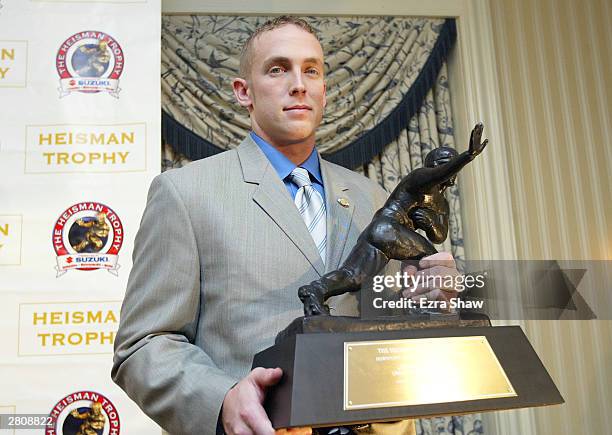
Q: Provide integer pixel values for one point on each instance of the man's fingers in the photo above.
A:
(438, 259)
(409, 269)
(266, 377)
(441, 272)
(239, 428)
(258, 421)
(242, 411)
(421, 292)
(431, 295)
(430, 292)
(437, 277)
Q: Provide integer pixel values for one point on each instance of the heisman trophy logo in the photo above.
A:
(90, 62)
(84, 413)
(87, 236)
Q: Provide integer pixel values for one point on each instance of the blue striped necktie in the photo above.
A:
(312, 208)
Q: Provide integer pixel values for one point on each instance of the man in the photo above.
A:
(223, 248)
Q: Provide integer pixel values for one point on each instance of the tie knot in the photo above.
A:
(300, 177)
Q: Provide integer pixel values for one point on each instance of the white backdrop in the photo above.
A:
(79, 145)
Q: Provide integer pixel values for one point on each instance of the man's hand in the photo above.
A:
(243, 413)
(440, 265)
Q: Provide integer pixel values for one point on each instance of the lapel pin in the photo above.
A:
(343, 202)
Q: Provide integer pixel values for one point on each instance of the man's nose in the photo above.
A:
(297, 83)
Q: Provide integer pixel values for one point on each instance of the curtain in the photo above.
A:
(378, 70)
(388, 106)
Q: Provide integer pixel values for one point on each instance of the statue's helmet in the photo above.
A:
(439, 156)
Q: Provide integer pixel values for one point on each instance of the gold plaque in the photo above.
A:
(421, 371)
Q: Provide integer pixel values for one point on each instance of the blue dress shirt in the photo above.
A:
(283, 167)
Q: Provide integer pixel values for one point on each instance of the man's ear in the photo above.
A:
(241, 92)
(324, 94)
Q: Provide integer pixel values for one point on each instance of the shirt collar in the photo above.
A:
(283, 166)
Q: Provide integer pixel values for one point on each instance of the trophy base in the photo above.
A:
(343, 371)
(331, 324)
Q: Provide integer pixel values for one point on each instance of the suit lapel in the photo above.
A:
(339, 216)
(272, 196)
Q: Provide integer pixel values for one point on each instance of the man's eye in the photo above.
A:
(276, 70)
(312, 71)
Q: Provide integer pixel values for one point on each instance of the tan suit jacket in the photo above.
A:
(218, 259)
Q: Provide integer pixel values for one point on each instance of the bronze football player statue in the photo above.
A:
(98, 230)
(93, 420)
(417, 202)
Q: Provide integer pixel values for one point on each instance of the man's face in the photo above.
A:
(285, 90)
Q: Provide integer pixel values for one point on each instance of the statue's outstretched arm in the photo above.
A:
(429, 177)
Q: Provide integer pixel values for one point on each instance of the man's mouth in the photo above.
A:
(297, 107)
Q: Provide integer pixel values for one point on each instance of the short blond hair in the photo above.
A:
(275, 23)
